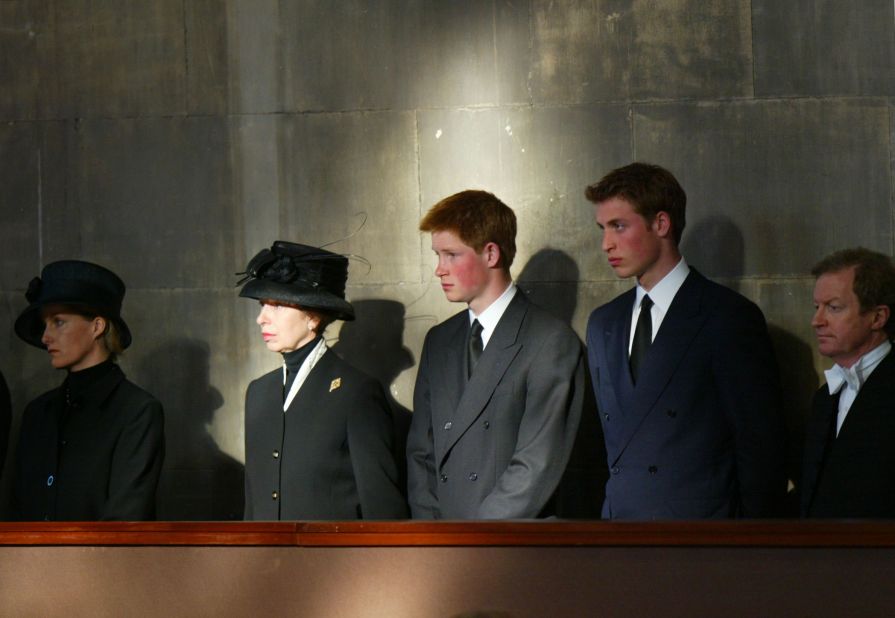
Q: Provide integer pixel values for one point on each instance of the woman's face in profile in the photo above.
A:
(284, 328)
(72, 340)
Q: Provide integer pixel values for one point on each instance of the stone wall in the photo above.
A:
(171, 140)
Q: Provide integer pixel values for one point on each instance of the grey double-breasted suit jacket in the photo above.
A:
(496, 445)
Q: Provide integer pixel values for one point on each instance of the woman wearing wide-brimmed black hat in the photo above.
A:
(318, 432)
(91, 449)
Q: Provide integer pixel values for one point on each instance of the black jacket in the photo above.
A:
(97, 457)
(330, 456)
(5, 420)
(854, 475)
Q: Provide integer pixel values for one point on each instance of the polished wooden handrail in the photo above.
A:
(758, 533)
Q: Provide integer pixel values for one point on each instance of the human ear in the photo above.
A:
(98, 326)
(880, 317)
(662, 224)
(492, 254)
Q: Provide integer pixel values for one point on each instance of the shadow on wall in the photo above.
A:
(799, 380)
(549, 279)
(374, 343)
(715, 247)
(199, 481)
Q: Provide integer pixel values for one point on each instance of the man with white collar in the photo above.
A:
(683, 369)
(500, 386)
(849, 463)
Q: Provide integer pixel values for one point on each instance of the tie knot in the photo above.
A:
(476, 329)
(646, 303)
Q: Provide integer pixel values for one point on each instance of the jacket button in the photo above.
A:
(50, 480)
(274, 494)
(606, 416)
(487, 424)
(444, 478)
(671, 413)
(276, 454)
(448, 425)
(615, 469)
(653, 469)
(473, 476)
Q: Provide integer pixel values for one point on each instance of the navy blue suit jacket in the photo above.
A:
(701, 434)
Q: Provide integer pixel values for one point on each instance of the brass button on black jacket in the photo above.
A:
(97, 456)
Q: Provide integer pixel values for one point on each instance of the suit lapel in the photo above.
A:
(680, 326)
(449, 356)
(615, 338)
(316, 386)
(502, 348)
(876, 388)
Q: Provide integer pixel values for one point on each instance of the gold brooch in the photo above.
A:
(335, 384)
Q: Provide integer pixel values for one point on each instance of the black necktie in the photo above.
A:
(643, 336)
(474, 346)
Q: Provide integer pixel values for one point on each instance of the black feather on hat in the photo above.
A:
(75, 284)
(299, 275)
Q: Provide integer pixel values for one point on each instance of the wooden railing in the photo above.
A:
(459, 534)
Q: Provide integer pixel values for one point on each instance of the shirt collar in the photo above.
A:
(855, 376)
(663, 292)
(491, 316)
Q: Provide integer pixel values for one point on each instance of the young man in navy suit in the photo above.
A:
(500, 385)
(849, 464)
(683, 371)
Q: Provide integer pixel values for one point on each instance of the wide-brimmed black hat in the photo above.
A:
(76, 284)
(299, 275)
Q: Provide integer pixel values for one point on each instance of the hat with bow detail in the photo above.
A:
(299, 275)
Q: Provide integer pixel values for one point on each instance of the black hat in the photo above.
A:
(75, 284)
(299, 275)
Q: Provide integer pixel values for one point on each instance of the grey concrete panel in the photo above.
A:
(773, 185)
(817, 47)
(398, 54)
(538, 161)
(23, 39)
(234, 56)
(115, 58)
(353, 177)
(512, 31)
(32, 167)
(607, 50)
(192, 350)
(20, 203)
(154, 201)
(256, 173)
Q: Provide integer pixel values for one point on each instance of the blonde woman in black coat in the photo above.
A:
(91, 449)
(318, 432)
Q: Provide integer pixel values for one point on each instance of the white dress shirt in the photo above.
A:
(662, 294)
(850, 380)
(491, 316)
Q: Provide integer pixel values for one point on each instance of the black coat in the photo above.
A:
(5, 419)
(330, 456)
(853, 475)
(98, 459)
